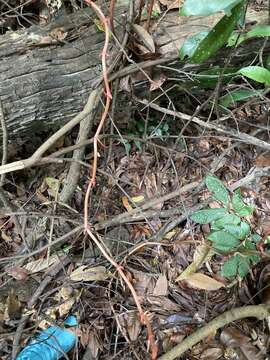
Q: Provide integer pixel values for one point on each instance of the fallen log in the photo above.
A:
(46, 72)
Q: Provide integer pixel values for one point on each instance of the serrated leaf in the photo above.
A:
(191, 43)
(237, 95)
(218, 36)
(256, 73)
(207, 7)
(239, 206)
(230, 267)
(256, 237)
(208, 215)
(241, 231)
(254, 259)
(223, 240)
(243, 266)
(227, 219)
(204, 282)
(218, 189)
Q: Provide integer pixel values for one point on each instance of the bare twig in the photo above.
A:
(73, 176)
(248, 139)
(23, 164)
(4, 141)
(258, 311)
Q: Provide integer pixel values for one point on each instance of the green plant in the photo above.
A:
(155, 130)
(230, 231)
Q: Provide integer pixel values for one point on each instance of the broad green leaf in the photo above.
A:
(227, 219)
(256, 31)
(218, 36)
(241, 231)
(239, 206)
(207, 7)
(254, 259)
(209, 78)
(236, 265)
(256, 73)
(230, 267)
(256, 237)
(217, 188)
(223, 240)
(237, 95)
(243, 266)
(208, 215)
(191, 44)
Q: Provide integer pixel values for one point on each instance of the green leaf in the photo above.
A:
(218, 36)
(225, 220)
(208, 215)
(191, 44)
(254, 259)
(207, 7)
(256, 237)
(209, 78)
(239, 206)
(223, 240)
(256, 31)
(257, 73)
(218, 189)
(230, 267)
(237, 95)
(243, 266)
(241, 232)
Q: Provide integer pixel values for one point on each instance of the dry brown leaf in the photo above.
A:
(202, 253)
(171, 4)
(211, 354)
(235, 338)
(17, 272)
(84, 273)
(126, 203)
(145, 37)
(263, 160)
(41, 264)
(204, 282)
(132, 324)
(161, 288)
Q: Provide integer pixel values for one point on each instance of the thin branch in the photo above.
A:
(258, 311)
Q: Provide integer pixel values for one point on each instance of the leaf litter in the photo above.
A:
(177, 277)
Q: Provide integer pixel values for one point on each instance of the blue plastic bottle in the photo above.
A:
(50, 344)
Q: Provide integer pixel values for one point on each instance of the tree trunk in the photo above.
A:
(46, 73)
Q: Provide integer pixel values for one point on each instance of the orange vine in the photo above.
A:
(87, 228)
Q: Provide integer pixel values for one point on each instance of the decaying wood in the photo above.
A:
(46, 73)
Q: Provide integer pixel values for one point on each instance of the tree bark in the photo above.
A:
(45, 79)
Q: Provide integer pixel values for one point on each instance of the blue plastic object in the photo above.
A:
(50, 344)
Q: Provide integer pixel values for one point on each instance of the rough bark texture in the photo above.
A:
(45, 81)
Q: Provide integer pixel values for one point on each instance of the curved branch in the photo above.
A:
(257, 311)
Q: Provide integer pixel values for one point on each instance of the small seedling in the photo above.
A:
(230, 231)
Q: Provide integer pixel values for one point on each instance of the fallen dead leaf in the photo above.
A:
(145, 37)
(263, 160)
(132, 324)
(161, 288)
(17, 272)
(236, 339)
(41, 264)
(171, 4)
(84, 273)
(211, 354)
(126, 203)
(202, 254)
(203, 282)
